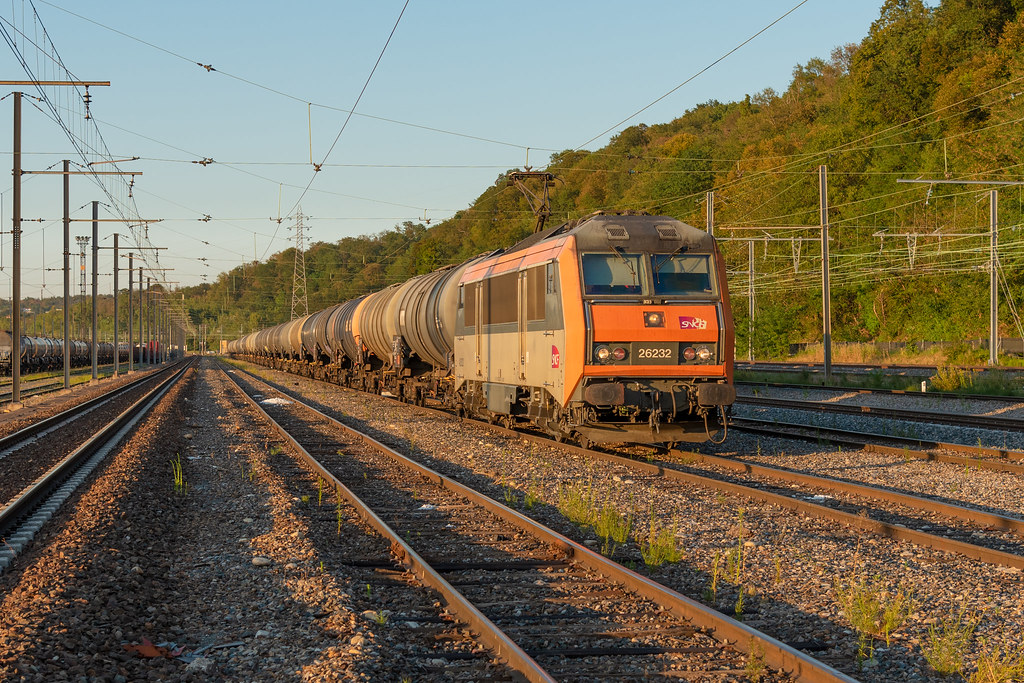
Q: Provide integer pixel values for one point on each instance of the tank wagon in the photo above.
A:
(47, 353)
(610, 329)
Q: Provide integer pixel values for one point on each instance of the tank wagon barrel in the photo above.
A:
(47, 353)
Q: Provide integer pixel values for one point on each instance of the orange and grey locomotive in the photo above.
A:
(610, 329)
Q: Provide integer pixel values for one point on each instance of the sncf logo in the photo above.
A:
(689, 322)
(556, 357)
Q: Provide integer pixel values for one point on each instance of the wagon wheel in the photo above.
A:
(583, 441)
(508, 422)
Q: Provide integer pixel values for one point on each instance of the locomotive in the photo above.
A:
(47, 353)
(609, 329)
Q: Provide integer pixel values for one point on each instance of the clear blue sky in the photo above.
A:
(502, 76)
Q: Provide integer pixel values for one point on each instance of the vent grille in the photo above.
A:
(616, 232)
(667, 232)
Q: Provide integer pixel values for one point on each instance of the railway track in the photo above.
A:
(806, 496)
(983, 457)
(44, 473)
(900, 369)
(551, 608)
(916, 519)
(837, 368)
(988, 422)
(913, 394)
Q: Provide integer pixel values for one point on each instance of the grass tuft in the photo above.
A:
(998, 665)
(874, 611)
(947, 645)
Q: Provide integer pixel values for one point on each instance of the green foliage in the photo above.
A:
(576, 502)
(872, 609)
(952, 379)
(1000, 664)
(947, 646)
(660, 544)
(180, 485)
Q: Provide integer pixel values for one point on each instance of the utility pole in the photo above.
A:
(149, 325)
(95, 285)
(993, 315)
(300, 305)
(16, 258)
(67, 275)
(131, 314)
(711, 213)
(142, 353)
(117, 350)
(82, 242)
(993, 257)
(16, 231)
(750, 301)
(826, 292)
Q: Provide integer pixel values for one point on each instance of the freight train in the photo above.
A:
(47, 353)
(608, 329)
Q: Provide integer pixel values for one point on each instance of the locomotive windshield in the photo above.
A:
(682, 274)
(616, 273)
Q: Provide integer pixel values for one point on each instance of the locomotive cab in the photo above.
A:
(658, 345)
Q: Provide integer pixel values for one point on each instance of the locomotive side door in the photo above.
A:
(482, 290)
(522, 318)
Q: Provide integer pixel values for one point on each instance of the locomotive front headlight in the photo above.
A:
(603, 353)
(689, 353)
(703, 352)
(654, 319)
(619, 353)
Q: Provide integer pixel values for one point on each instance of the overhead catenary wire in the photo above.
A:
(348, 118)
(209, 68)
(694, 76)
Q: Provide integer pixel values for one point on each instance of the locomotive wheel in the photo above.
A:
(583, 441)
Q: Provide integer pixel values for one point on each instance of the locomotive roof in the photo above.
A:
(633, 232)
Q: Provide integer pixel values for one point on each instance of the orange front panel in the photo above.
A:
(654, 371)
(683, 323)
(575, 349)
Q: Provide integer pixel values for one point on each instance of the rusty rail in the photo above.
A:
(988, 422)
(993, 458)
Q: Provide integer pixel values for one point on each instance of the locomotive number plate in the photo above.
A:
(649, 353)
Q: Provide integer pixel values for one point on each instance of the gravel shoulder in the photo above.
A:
(233, 570)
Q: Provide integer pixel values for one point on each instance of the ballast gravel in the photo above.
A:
(222, 573)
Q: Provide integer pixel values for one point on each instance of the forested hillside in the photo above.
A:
(930, 93)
